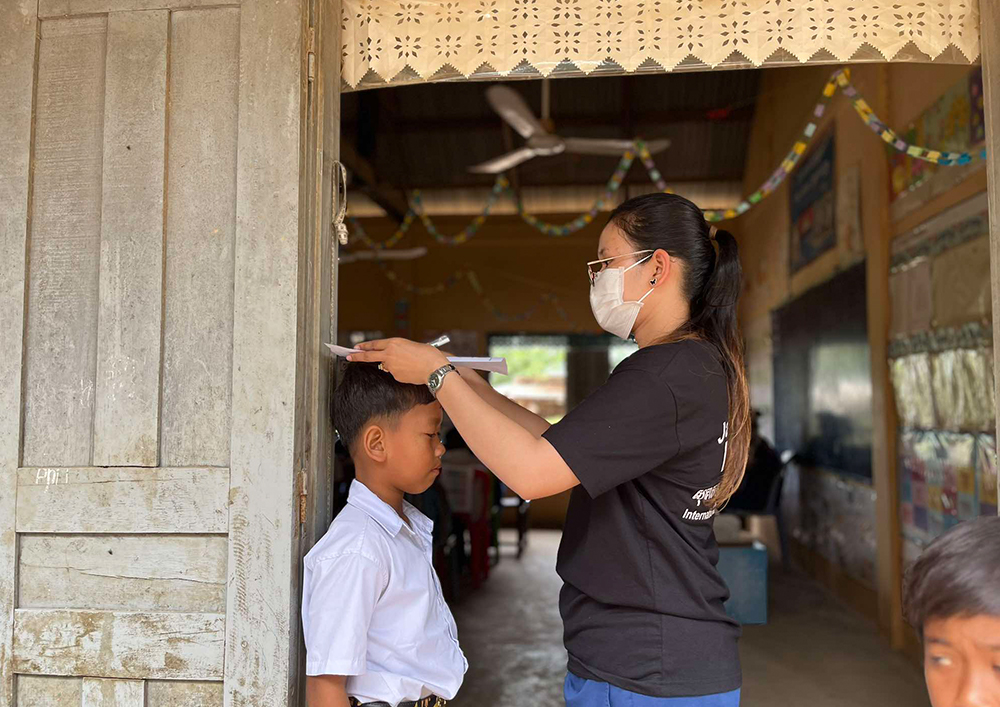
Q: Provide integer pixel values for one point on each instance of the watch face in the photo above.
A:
(437, 378)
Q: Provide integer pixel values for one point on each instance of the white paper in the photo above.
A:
(494, 365)
(341, 350)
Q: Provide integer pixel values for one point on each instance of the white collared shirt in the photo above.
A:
(372, 606)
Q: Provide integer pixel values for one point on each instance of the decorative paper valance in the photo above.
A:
(428, 40)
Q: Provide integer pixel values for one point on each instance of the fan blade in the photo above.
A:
(591, 146)
(513, 109)
(657, 146)
(504, 162)
(358, 255)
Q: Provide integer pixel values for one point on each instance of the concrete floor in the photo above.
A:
(812, 652)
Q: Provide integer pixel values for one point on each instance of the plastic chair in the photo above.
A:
(479, 525)
(512, 500)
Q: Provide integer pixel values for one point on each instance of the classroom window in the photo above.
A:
(537, 372)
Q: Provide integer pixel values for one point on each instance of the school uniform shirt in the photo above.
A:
(642, 601)
(372, 607)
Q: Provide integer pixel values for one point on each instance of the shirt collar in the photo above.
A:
(362, 498)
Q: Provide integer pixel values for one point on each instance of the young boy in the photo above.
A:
(952, 595)
(376, 627)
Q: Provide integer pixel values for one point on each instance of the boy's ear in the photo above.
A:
(373, 443)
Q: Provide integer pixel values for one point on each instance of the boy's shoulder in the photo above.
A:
(353, 532)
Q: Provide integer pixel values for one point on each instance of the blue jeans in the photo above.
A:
(588, 693)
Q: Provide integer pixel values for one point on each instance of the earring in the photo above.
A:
(653, 281)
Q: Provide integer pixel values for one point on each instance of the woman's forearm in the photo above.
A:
(535, 424)
(524, 461)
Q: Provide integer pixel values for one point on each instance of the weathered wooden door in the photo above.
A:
(164, 288)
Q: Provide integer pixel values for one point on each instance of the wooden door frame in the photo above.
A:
(317, 290)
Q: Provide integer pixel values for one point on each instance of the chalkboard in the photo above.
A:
(822, 376)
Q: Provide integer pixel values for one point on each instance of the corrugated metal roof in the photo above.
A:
(425, 136)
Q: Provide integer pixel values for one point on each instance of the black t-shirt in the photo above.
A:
(642, 601)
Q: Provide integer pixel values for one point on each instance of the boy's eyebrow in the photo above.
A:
(938, 641)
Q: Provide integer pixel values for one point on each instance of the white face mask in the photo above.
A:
(607, 299)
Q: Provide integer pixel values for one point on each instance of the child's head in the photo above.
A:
(952, 597)
(390, 429)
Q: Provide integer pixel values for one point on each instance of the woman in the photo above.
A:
(651, 456)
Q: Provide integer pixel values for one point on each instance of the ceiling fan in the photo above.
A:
(541, 140)
(355, 256)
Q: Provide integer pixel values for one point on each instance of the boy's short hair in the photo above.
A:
(957, 575)
(365, 393)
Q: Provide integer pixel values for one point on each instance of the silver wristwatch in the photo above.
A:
(436, 379)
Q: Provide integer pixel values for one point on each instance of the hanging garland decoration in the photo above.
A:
(437, 289)
(390, 242)
(470, 276)
(500, 186)
(488, 303)
(584, 220)
(939, 157)
(840, 79)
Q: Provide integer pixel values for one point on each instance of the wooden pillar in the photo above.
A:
(261, 619)
(587, 368)
(887, 532)
(989, 28)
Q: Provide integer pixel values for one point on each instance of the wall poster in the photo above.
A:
(813, 205)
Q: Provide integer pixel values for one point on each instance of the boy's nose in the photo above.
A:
(974, 690)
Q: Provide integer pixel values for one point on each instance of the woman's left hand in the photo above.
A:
(407, 361)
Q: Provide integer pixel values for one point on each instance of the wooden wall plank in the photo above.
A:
(183, 694)
(263, 525)
(62, 8)
(123, 572)
(989, 24)
(47, 691)
(126, 411)
(110, 644)
(99, 692)
(61, 344)
(201, 225)
(18, 28)
(122, 500)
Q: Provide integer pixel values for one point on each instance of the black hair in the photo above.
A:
(712, 283)
(365, 394)
(957, 575)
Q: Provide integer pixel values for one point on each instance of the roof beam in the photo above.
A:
(389, 198)
(567, 122)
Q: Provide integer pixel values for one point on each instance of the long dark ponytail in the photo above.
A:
(713, 280)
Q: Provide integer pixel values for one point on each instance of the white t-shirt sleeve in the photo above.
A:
(343, 592)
